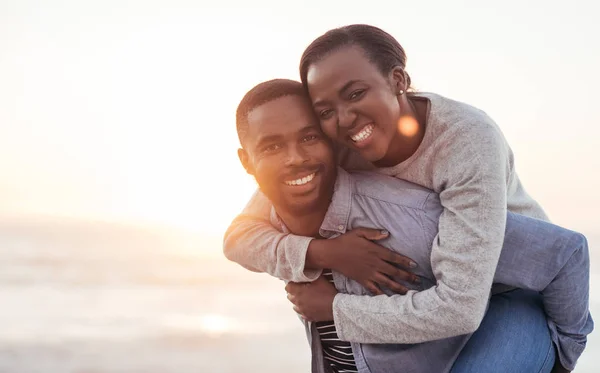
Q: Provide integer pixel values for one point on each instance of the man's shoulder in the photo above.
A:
(371, 185)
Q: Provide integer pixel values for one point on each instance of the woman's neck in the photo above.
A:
(409, 135)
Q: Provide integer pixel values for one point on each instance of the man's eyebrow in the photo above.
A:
(309, 127)
(340, 91)
(267, 139)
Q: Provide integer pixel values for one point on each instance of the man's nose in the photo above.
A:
(296, 155)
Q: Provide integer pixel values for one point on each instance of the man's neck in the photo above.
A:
(307, 224)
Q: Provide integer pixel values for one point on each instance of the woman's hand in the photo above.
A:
(312, 300)
(356, 256)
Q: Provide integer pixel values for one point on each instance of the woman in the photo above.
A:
(356, 80)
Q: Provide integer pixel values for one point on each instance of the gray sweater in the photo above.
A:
(466, 160)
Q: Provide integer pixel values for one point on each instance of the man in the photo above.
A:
(294, 166)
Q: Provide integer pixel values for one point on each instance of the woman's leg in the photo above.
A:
(512, 338)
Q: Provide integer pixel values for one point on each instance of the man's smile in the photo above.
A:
(302, 180)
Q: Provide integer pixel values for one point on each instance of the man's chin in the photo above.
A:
(302, 204)
(302, 209)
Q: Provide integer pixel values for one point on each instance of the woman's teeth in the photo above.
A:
(364, 134)
(301, 181)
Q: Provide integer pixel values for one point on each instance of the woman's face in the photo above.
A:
(356, 105)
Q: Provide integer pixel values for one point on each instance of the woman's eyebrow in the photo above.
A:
(344, 88)
(348, 85)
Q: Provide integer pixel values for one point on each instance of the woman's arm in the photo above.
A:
(256, 245)
(473, 171)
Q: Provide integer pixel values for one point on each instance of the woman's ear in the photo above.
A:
(245, 160)
(398, 79)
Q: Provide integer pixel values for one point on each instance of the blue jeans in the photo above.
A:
(513, 338)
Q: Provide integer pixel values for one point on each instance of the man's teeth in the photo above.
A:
(301, 181)
(362, 135)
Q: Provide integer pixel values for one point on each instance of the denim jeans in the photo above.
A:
(513, 338)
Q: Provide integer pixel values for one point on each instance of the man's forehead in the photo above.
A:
(279, 107)
(284, 116)
(281, 130)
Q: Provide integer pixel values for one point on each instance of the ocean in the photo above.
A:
(97, 297)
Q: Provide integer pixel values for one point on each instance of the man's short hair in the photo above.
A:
(261, 94)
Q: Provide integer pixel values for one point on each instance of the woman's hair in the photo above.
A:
(381, 48)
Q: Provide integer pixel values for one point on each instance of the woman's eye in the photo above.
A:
(356, 94)
(324, 114)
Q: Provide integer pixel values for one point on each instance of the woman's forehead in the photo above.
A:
(338, 69)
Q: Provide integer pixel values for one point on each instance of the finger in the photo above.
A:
(387, 282)
(289, 286)
(393, 257)
(371, 234)
(293, 287)
(399, 273)
(373, 288)
(290, 297)
(299, 312)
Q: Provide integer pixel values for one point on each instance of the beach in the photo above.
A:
(91, 297)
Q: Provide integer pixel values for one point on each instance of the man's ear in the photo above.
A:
(245, 159)
(398, 79)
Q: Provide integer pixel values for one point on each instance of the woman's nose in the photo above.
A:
(346, 117)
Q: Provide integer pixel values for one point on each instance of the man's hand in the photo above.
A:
(312, 300)
(356, 256)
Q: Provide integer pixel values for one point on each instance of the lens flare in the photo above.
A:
(408, 126)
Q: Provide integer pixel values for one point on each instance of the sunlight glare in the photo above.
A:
(408, 126)
(215, 324)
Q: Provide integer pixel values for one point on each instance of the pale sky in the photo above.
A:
(125, 109)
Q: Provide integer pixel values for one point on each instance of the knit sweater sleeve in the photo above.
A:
(470, 175)
(254, 243)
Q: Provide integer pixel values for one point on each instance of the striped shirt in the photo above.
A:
(336, 352)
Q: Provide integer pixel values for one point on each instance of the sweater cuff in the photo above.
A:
(338, 315)
(301, 273)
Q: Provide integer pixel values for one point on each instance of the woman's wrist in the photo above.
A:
(318, 254)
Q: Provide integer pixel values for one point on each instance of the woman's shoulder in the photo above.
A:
(447, 112)
(464, 124)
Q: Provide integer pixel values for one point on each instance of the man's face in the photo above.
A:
(289, 156)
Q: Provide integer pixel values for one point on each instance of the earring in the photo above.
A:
(400, 93)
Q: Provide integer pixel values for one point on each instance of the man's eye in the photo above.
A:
(356, 94)
(324, 114)
(309, 138)
(272, 148)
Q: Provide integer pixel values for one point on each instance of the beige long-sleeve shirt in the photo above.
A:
(463, 157)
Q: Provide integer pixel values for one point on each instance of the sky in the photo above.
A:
(125, 110)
